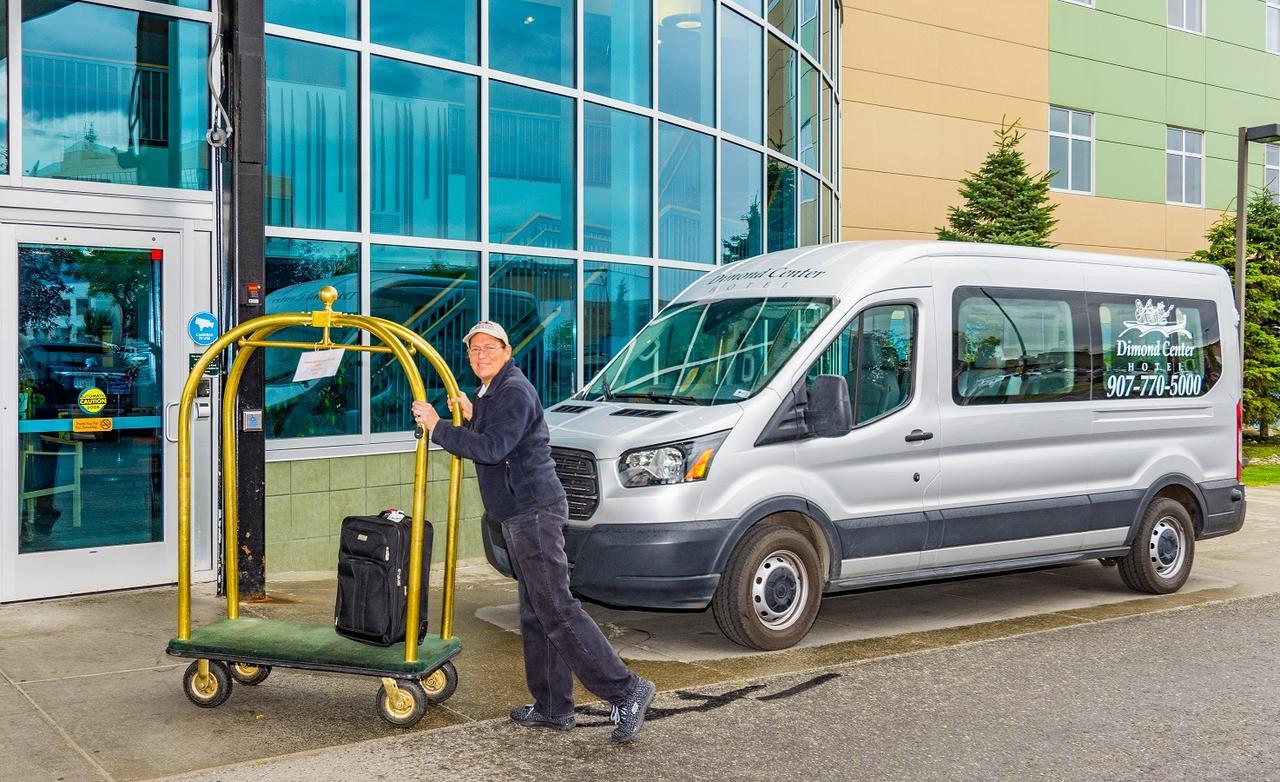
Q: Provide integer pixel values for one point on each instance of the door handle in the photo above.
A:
(918, 436)
(164, 423)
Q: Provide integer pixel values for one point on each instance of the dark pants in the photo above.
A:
(560, 639)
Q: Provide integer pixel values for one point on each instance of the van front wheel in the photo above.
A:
(1159, 560)
(768, 596)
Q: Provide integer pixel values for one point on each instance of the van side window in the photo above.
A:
(1154, 346)
(875, 354)
(1015, 345)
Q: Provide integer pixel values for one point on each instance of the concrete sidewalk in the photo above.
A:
(86, 691)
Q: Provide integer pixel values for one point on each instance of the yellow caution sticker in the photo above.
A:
(92, 424)
(92, 399)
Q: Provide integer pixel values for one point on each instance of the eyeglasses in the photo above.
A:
(487, 350)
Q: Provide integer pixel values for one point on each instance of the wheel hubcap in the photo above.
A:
(206, 686)
(434, 683)
(246, 670)
(399, 704)
(1166, 547)
(780, 590)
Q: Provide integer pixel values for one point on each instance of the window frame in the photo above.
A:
(1184, 155)
(1085, 3)
(914, 366)
(1204, 13)
(1072, 136)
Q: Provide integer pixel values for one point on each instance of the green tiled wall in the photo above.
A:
(308, 499)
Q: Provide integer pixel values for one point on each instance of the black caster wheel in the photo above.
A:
(440, 683)
(248, 674)
(405, 706)
(210, 690)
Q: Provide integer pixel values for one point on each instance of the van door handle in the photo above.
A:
(918, 435)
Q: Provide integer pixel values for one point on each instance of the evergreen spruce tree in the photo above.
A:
(1261, 302)
(1003, 204)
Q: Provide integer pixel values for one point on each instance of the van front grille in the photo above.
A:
(577, 473)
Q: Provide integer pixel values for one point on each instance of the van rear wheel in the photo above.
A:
(769, 594)
(1159, 560)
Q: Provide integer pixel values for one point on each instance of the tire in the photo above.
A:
(212, 692)
(407, 713)
(769, 593)
(248, 674)
(440, 684)
(1160, 558)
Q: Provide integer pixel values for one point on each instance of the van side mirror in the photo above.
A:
(829, 412)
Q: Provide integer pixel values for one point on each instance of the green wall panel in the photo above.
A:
(1184, 104)
(1184, 55)
(1135, 173)
(1149, 11)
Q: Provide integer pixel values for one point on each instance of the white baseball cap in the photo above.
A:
(490, 328)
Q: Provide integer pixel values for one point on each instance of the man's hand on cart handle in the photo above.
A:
(425, 415)
(461, 399)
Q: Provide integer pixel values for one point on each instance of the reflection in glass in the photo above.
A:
(89, 347)
(441, 28)
(809, 26)
(686, 59)
(782, 97)
(686, 195)
(616, 49)
(808, 115)
(4, 89)
(333, 17)
(808, 210)
(531, 167)
(436, 293)
(114, 96)
(311, 170)
(824, 132)
(828, 230)
(781, 212)
(671, 282)
(535, 299)
(533, 38)
(782, 15)
(617, 301)
(424, 155)
(741, 207)
(296, 271)
(741, 94)
(617, 174)
(828, 32)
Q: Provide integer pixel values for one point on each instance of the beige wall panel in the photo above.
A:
(895, 203)
(926, 52)
(1109, 224)
(1185, 229)
(870, 234)
(884, 89)
(1026, 21)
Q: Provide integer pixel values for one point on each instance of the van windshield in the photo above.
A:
(709, 352)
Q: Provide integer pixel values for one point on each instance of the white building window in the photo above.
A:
(1273, 171)
(1071, 150)
(1087, 3)
(1184, 167)
(1273, 26)
(1187, 15)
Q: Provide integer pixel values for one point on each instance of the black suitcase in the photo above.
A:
(373, 579)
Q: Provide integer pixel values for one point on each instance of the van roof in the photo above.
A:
(827, 270)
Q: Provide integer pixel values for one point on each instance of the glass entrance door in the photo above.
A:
(95, 364)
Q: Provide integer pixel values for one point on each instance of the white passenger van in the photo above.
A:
(854, 415)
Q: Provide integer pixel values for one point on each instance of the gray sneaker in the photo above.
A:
(629, 715)
(530, 717)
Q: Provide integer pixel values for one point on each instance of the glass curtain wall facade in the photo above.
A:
(565, 167)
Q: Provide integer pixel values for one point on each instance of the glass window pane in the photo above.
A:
(617, 300)
(1175, 13)
(782, 206)
(824, 133)
(1195, 15)
(311, 172)
(424, 151)
(808, 115)
(1273, 183)
(333, 17)
(671, 282)
(782, 15)
(442, 28)
(531, 167)
(782, 97)
(296, 271)
(809, 26)
(1173, 140)
(533, 38)
(616, 49)
(117, 96)
(1081, 163)
(686, 59)
(617, 175)
(808, 210)
(741, 67)
(827, 34)
(1082, 123)
(1058, 163)
(1273, 28)
(1058, 120)
(741, 206)
(1273, 154)
(436, 293)
(686, 195)
(1193, 141)
(536, 300)
(1192, 191)
(1173, 177)
(826, 214)
(4, 90)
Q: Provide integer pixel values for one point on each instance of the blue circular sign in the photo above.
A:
(203, 328)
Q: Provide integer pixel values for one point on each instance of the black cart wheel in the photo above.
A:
(1160, 558)
(248, 674)
(768, 596)
(440, 683)
(207, 691)
(406, 706)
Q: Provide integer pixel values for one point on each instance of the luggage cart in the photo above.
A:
(245, 649)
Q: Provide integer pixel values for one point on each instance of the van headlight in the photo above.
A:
(681, 462)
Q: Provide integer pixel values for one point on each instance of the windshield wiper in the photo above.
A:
(660, 397)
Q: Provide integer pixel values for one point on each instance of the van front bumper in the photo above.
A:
(661, 566)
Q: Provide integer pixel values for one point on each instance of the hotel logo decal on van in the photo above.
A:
(1150, 318)
(1155, 361)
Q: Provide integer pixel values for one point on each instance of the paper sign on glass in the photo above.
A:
(315, 364)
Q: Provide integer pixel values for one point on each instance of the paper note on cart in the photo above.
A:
(316, 364)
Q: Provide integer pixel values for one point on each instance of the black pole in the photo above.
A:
(248, 148)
